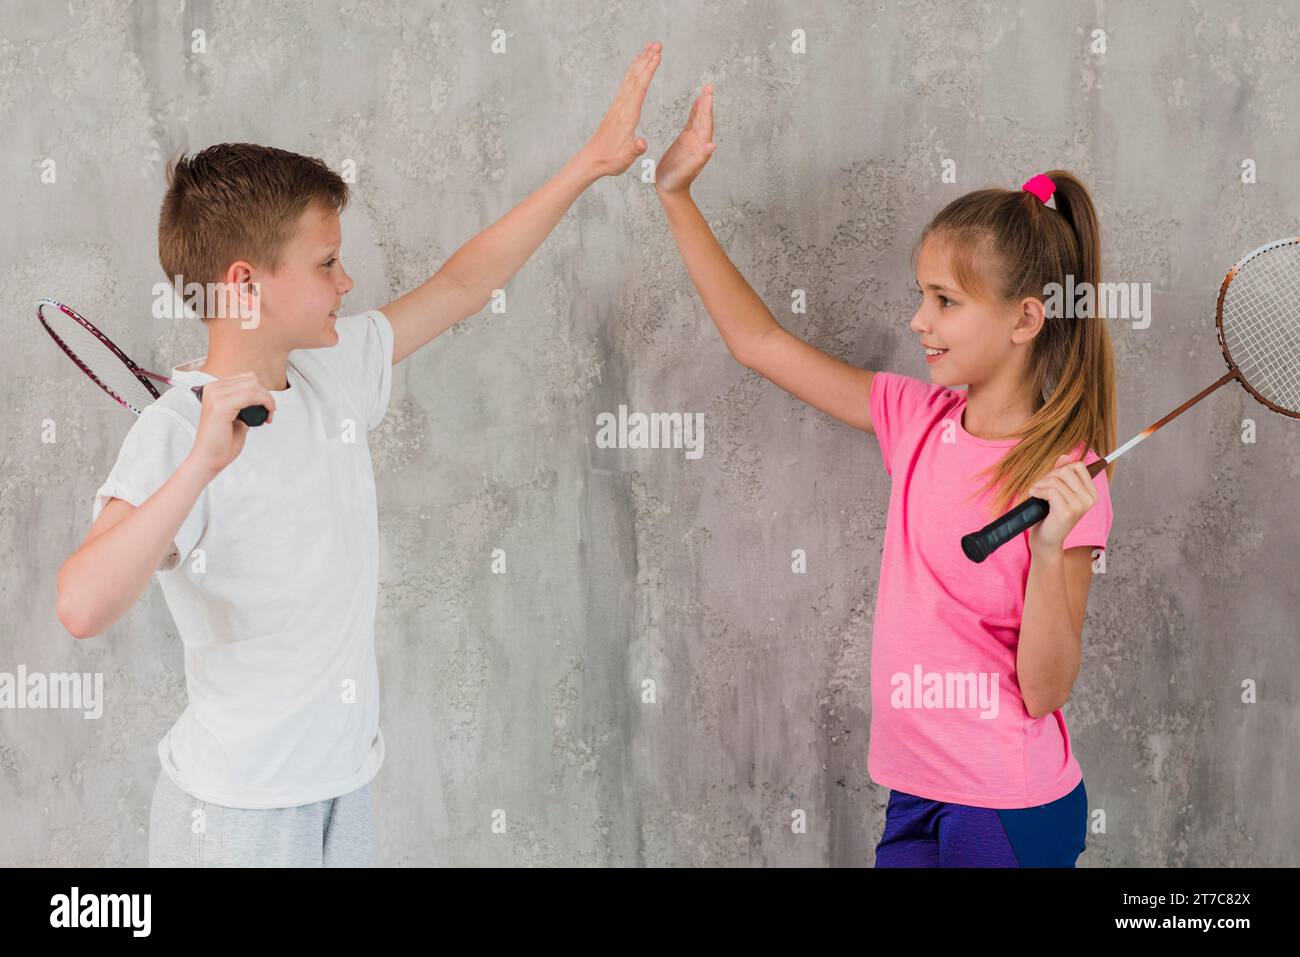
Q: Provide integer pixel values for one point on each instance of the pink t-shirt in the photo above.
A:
(947, 719)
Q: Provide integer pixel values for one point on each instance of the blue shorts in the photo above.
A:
(924, 833)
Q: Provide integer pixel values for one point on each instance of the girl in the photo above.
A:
(970, 664)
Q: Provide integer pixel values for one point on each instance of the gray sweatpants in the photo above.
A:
(187, 832)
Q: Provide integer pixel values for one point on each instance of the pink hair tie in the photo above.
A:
(1041, 186)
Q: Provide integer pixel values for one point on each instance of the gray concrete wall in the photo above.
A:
(523, 692)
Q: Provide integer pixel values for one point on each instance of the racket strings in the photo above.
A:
(99, 361)
(1261, 323)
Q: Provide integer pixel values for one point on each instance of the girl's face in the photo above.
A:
(976, 335)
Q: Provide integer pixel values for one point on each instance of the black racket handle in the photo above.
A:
(252, 415)
(980, 545)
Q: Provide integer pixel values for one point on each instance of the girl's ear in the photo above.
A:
(1029, 321)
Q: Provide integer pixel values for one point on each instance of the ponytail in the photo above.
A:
(1014, 235)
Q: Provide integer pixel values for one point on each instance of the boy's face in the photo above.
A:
(299, 300)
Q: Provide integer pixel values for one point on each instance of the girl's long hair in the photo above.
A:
(1007, 244)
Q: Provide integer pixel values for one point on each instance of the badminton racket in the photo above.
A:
(109, 367)
(1258, 318)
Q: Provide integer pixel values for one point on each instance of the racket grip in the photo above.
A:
(252, 415)
(980, 545)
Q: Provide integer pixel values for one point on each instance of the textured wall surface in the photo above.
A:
(523, 691)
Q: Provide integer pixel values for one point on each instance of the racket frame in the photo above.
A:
(1218, 321)
(980, 544)
(143, 375)
(252, 416)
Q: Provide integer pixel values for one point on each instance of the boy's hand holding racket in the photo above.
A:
(1070, 491)
(684, 160)
(221, 431)
(614, 145)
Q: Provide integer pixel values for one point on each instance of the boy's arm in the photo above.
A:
(465, 282)
(103, 578)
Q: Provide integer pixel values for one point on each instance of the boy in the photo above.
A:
(266, 541)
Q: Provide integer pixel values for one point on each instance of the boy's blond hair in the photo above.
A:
(237, 201)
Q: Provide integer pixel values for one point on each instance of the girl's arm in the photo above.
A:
(751, 333)
(464, 283)
(1056, 594)
(1051, 628)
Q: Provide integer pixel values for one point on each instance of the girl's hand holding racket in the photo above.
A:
(221, 431)
(1258, 319)
(1070, 491)
(684, 160)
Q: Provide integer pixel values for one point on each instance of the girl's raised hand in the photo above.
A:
(1070, 492)
(614, 145)
(679, 166)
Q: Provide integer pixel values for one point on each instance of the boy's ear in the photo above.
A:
(239, 271)
(241, 292)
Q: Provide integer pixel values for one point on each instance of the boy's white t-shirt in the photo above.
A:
(273, 580)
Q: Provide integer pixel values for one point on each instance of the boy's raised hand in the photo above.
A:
(614, 145)
(683, 161)
(465, 283)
